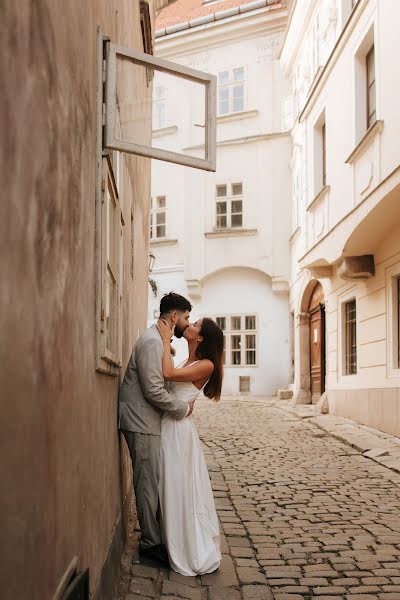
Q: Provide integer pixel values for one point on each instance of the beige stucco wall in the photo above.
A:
(62, 477)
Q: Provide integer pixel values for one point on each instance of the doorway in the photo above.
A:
(316, 311)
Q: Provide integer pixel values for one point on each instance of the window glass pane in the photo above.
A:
(161, 201)
(250, 322)
(111, 228)
(371, 66)
(235, 323)
(250, 349)
(221, 322)
(221, 191)
(224, 352)
(160, 231)
(250, 357)
(238, 74)
(160, 217)
(236, 221)
(350, 338)
(111, 313)
(238, 98)
(221, 222)
(223, 100)
(238, 104)
(236, 206)
(237, 189)
(235, 349)
(223, 77)
(221, 208)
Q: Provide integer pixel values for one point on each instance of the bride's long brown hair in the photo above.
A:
(212, 347)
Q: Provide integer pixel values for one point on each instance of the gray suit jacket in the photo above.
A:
(142, 397)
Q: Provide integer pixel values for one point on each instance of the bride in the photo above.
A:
(188, 517)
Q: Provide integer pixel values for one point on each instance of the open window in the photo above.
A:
(128, 118)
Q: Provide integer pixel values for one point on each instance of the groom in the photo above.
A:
(142, 401)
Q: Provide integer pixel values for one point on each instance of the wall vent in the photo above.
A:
(244, 384)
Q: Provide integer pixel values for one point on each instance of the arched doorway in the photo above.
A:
(316, 311)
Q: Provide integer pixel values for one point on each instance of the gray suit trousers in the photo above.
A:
(145, 454)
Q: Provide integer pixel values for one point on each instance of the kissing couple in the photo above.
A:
(174, 499)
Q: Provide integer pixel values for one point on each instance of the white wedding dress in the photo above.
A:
(188, 516)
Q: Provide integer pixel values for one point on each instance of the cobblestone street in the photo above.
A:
(303, 515)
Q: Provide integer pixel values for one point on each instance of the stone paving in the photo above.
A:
(303, 515)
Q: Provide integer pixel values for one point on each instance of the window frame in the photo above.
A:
(154, 211)
(393, 320)
(109, 360)
(241, 333)
(320, 153)
(228, 199)
(111, 139)
(344, 334)
(371, 116)
(229, 86)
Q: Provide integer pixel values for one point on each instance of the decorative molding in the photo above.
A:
(280, 285)
(163, 242)
(231, 233)
(376, 128)
(357, 267)
(244, 140)
(321, 194)
(163, 131)
(237, 116)
(194, 288)
(321, 272)
(267, 49)
(295, 234)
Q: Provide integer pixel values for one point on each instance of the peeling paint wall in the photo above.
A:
(64, 474)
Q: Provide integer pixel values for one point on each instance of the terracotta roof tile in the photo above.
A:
(184, 10)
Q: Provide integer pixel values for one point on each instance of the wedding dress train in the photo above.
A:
(188, 516)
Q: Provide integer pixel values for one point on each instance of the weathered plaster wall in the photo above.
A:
(62, 478)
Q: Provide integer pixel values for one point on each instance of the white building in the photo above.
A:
(341, 57)
(222, 238)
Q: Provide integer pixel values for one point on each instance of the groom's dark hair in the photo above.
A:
(173, 301)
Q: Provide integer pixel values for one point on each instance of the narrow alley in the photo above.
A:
(302, 514)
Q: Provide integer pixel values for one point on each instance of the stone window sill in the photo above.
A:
(365, 141)
(218, 233)
(237, 116)
(163, 242)
(321, 194)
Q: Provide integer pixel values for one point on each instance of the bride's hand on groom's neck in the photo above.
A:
(165, 330)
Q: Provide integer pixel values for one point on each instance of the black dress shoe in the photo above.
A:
(157, 553)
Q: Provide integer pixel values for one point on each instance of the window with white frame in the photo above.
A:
(319, 154)
(158, 218)
(229, 205)
(160, 107)
(110, 330)
(371, 92)
(393, 316)
(365, 85)
(231, 91)
(349, 317)
(240, 339)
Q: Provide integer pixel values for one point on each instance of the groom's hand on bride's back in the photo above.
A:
(191, 407)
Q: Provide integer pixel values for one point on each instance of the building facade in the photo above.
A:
(221, 238)
(74, 260)
(340, 57)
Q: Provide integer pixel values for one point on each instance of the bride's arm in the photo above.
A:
(196, 372)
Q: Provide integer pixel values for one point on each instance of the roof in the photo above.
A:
(181, 11)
